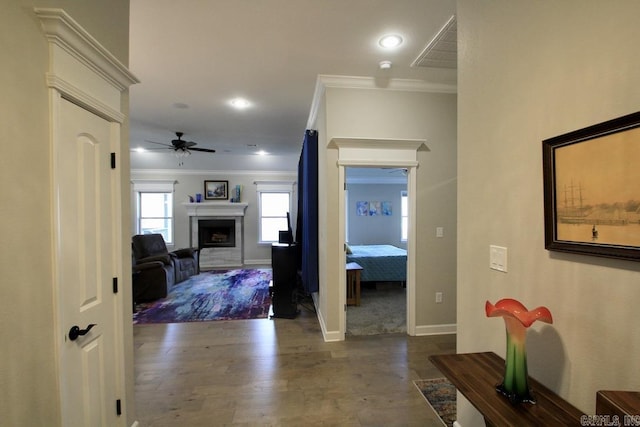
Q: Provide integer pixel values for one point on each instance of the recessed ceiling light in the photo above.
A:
(140, 150)
(390, 41)
(385, 65)
(261, 153)
(240, 103)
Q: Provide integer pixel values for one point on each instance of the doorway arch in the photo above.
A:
(368, 152)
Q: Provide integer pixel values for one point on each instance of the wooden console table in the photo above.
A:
(476, 375)
(623, 404)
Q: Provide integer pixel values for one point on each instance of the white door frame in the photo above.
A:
(396, 153)
(85, 73)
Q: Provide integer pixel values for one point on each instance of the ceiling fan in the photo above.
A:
(181, 147)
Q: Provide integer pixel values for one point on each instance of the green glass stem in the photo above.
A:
(515, 385)
(517, 319)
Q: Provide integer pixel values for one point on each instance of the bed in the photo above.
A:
(380, 263)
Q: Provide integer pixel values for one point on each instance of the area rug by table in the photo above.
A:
(212, 295)
(440, 394)
(382, 310)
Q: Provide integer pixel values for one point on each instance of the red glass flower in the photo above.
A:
(517, 319)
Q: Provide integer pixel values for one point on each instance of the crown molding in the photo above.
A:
(324, 81)
(63, 31)
(409, 85)
(250, 173)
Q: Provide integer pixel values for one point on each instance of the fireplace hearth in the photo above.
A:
(216, 250)
(216, 233)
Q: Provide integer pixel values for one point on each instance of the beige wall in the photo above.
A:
(323, 186)
(529, 71)
(27, 361)
(390, 114)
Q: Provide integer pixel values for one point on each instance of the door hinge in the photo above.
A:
(115, 285)
(118, 407)
(113, 160)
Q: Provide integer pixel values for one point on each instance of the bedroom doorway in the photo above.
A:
(378, 153)
(376, 226)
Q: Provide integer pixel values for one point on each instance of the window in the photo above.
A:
(404, 214)
(156, 214)
(274, 202)
(154, 208)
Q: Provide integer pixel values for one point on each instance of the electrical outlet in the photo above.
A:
(438, 297)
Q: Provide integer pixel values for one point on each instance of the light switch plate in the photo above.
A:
(498, 258)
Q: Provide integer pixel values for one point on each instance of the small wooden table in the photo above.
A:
(623, 404)
(476, 375)
(353, 283)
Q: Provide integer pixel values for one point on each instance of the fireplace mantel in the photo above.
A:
(218, 256)
(216, 209)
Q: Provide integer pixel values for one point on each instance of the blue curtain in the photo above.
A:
(307, 223)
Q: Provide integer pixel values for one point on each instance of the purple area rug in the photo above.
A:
(212, 295)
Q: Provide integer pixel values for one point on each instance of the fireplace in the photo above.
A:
(217, 251)
(216, 233)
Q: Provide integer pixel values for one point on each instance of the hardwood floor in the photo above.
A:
(280, 372)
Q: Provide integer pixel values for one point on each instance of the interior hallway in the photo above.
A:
(280, 372)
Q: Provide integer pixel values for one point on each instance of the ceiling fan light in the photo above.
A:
(182, 153)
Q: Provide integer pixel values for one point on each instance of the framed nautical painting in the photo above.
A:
(592, 189)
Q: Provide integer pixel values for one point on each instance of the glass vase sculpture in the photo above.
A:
(517, 319)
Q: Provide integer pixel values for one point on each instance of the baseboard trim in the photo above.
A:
(445, 329)
(257, 261)
(328, 336)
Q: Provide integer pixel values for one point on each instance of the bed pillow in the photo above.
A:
(348, 249)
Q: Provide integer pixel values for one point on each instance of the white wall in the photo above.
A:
(379, 229)
(529, 71)
(190, 182)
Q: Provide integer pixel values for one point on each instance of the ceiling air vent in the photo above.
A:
(441, 52)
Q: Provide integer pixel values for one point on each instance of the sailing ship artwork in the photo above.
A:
(608, 223)
(597, 190)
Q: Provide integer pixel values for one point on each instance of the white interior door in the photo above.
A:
(86, 252)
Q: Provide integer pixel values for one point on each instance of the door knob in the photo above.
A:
(75, 331)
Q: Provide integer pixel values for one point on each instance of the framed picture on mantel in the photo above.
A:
(216, 190)
(591, 190)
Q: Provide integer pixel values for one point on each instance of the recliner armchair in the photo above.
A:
(152, 247)
(151, 279)
(186, 263)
